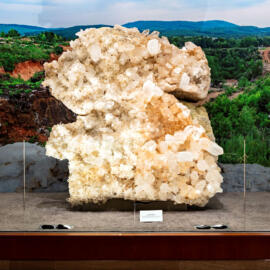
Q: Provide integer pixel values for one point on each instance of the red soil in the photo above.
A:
(21, 134)
(66, 48)
(266, 55)
(28, 116)
(27, 69)
(266, 60)
(53, 56)
(2, 71)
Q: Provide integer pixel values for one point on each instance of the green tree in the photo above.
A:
(13, 33)
(246, 121)
(249, 41)
(58, 49)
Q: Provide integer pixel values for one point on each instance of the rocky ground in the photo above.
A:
(257, 177)
(29, 116)
(42, 173)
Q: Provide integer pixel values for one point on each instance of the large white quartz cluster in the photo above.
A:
(132, 138)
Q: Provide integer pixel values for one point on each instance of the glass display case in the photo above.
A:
(35, 192)
(118, 131)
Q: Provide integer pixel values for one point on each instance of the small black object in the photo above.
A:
(203, 227)
(219, 226)
(61, 227)
(47, 227)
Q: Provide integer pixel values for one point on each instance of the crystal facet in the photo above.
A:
(132, 138)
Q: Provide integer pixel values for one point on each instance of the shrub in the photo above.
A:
(245, 117)
(58, 50)
(13, 33)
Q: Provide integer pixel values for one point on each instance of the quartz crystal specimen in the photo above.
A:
(133, 139)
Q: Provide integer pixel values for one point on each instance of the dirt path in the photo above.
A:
(211, 96)
(266, 68)
(266, 60)
(266, 55)
(235, 95)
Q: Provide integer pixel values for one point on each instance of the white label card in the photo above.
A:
(151, 216)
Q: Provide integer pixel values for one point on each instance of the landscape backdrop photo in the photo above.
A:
(235, 36)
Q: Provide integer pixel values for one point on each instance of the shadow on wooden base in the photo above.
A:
(134, 246)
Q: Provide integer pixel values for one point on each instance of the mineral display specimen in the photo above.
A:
(132, 138)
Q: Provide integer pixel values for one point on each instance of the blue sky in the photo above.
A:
(62, 13)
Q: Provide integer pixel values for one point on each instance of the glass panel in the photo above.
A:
(228, 208)
(258, 179)
(12, 187)
(34, 188)
(47, 200)
(46, 187)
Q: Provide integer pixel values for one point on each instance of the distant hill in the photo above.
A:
(69, 33)
(215, 28)
(22, 29)
(180, 25)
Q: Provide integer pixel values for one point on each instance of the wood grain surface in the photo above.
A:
(134, 246)
(134, 265)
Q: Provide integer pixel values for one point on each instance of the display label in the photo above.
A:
(151, 216)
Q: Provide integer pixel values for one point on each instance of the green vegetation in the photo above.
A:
(10, 33)
(48, 37)
(15, 49)
(234, 63)
(38, 77)
(220, 43)
(14, 86)
(244, 117)
(229, 58)
(13, 53)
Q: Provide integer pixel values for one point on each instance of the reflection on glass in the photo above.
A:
(117, 98)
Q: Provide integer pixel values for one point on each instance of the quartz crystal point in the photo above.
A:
(132, 138)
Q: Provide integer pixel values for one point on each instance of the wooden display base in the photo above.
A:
(134, 246)
(136, 265)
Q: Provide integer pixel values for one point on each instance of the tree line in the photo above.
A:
(232, 58)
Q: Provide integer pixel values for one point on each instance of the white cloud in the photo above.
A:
(119, 12)
(62, 13)
(65, 2)
(131, 11)
(20, 13)
(256, 15)
(24, 8)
